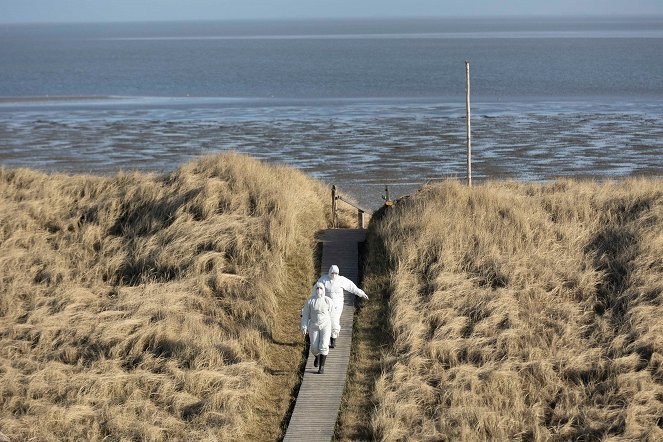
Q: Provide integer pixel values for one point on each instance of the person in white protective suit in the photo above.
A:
(334, 285)
(317, 321)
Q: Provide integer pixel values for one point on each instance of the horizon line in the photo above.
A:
(348, 18)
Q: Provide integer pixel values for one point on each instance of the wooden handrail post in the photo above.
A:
(360, 219)
(334, 216)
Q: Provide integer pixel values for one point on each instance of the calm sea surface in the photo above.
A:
(359, 103)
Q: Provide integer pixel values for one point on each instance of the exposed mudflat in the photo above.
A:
(360, 146)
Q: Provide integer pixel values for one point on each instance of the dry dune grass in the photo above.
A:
(521, 312)
(152, 307)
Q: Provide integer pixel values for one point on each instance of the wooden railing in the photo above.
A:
(361, 213)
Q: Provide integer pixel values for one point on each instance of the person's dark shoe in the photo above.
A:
(321, 368)
(332, 343)
(315, 362)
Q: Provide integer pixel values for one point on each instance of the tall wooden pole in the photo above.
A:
(469, 128)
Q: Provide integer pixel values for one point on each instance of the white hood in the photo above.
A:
(333, 271)
(319, 289)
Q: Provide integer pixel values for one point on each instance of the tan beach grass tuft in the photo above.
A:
(520, 312)
(154, 307)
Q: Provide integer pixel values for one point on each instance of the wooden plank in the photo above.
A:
(316, 409)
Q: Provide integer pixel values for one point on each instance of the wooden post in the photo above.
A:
(334, 217)
(360, 219)
(469, 128)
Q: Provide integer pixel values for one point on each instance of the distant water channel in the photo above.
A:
(361, 104)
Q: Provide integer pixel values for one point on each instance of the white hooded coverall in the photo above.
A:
(316, 319)
(334, 285)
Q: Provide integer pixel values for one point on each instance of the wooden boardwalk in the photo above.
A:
(319, 399)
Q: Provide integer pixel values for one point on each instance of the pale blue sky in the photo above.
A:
(16, 11)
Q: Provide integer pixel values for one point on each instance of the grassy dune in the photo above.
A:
(516, 312)
(154, 307)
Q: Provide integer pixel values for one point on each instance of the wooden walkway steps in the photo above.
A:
(319, 399)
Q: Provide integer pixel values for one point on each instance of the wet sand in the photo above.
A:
(358, 147)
